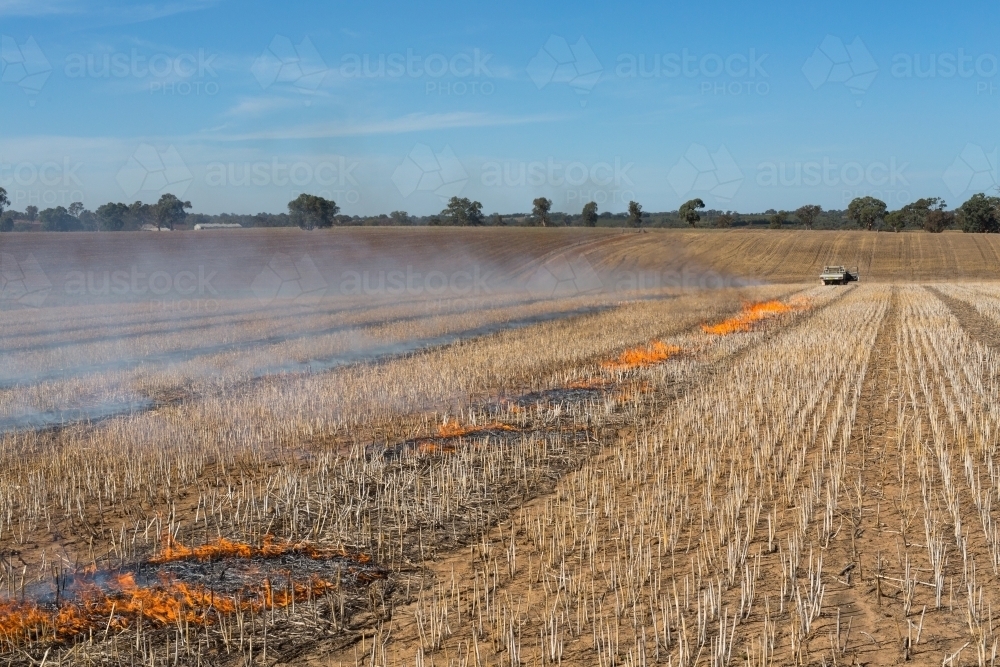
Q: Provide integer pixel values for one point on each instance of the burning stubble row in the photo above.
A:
(220, 435)
(251, 516)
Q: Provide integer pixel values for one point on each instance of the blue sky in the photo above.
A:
(391, 106)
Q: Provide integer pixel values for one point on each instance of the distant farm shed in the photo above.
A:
(218, 225)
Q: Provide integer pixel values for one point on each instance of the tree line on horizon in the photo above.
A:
(980, 213)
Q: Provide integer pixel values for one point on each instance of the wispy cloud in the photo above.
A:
(37, 7)
(115, 12)
(254, 107)
(410, 123)
(96, 149)
(138, 13)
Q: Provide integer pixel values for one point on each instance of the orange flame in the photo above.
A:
(641, 357)
(173, 551)
(122, 603)
(431, 447)
(126, 604)
(452, 429)
(750, 315)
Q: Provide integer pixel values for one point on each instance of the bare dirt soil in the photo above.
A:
(504, 257)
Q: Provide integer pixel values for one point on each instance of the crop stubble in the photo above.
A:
(813, 488)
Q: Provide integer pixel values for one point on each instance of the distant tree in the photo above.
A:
(915, 214)
(169, 211)
(474, 214)
(75, 209)
(540, 211)
(310, 211)
(496, 220)
(31, 213)
(6, 221)
(922, 209)
(589, 214)
(807, 214)
(937, 220)
(58, 219)
(688, 212)
(139, 214)
(88, 220)
(435, 221)
(725, 220)
(634, 214)
(463, 212)
(896, 220)
(400, 217)
(777, 220)
(454, 212)
(866, 212)
(112, 217)
(979, 214)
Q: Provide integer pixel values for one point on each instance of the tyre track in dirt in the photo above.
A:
(854, 597)
(978, 326)
(881, 531)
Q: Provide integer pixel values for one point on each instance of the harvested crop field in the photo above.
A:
(614, 449)
(503, 256)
